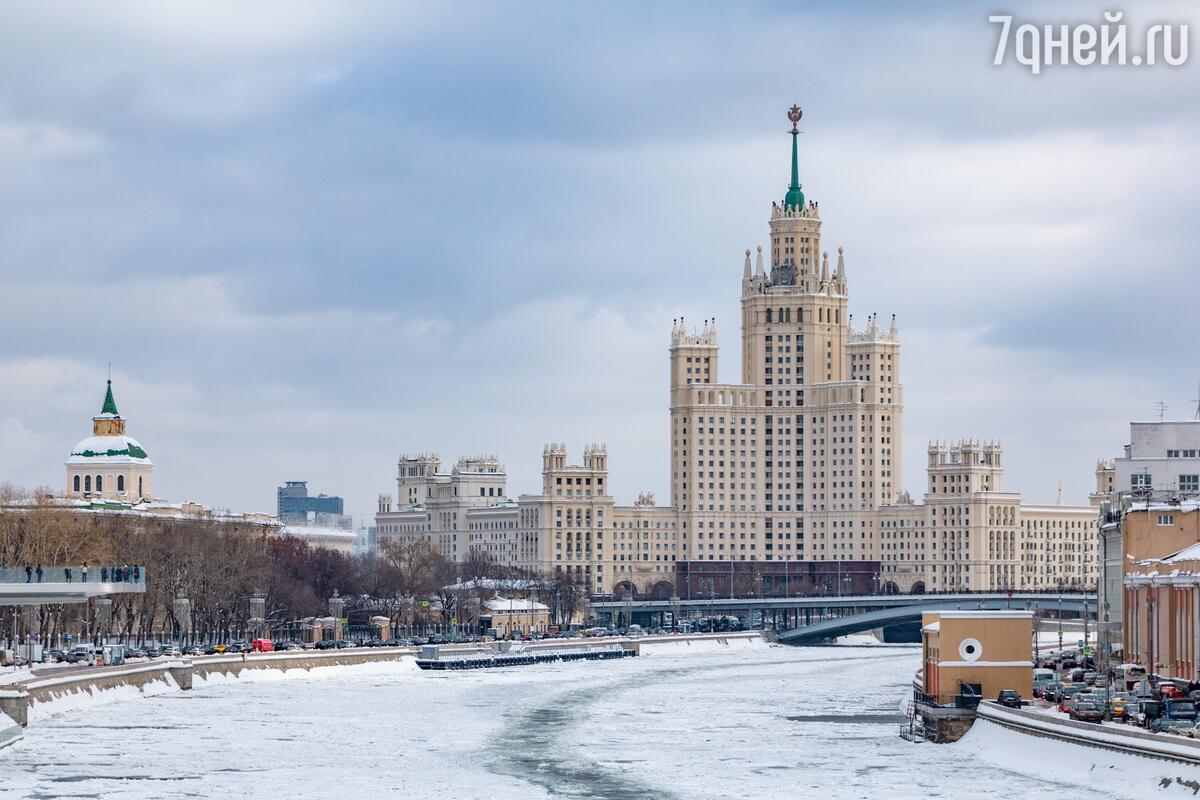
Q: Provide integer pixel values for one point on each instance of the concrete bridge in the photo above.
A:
(800, 613)
(67, 584)
(910, 614)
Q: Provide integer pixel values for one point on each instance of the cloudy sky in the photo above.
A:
(312, 236)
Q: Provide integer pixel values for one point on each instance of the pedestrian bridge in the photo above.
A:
(19, 587)
(863, 621)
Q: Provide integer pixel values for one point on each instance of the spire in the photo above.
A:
(758, 267)
(110, 405)
(841, 265)
(825, 268)
(794, 197)
(746, 269)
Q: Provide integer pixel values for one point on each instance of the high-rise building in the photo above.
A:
(294, 506)
(799, 461)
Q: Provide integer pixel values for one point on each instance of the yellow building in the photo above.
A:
(976, 652)
(517, 616)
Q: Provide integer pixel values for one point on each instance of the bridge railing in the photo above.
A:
(104, 573)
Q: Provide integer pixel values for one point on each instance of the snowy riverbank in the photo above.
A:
(1101, 772)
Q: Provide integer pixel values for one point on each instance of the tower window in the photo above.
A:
(77, 483)
(87, 483)
(120, 483)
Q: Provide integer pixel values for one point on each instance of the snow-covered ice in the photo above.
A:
(701, 723)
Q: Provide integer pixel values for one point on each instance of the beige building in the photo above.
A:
(800, 460)
(109, 465)
(983, 651)
(517, 616)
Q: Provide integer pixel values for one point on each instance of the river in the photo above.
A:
(686, 723)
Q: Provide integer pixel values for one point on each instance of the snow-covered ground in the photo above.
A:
(701, 723)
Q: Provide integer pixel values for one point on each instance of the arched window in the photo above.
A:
(99, 483)
(77, 483)
(87, 483)
(769, 311)
(120, 483)
(140, 487)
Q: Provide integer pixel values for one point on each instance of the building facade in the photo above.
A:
(294, 506)
(799, 461)
(110, 465)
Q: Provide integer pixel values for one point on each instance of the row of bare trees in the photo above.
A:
(220, 565)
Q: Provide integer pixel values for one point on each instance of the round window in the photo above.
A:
(970, 649)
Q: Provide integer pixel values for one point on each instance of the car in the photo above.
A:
(1010, 698)
(134, 652)
(1194, 732)
(1179, 727)
(57, 656)
(1046, 691)
(1120, 705)
(1066, 696)
(1084, 711)
(1089, 677)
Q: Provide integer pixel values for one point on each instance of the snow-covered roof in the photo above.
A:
(315, 532)
(496, 584)
(109, 450)
(506, 604)
(933, 627)
(1191, 553)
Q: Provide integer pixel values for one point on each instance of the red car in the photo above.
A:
(1086, 712)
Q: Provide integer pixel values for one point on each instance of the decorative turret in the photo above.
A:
(839, 277)
(108, 422)
(758, 266)
(825, 268)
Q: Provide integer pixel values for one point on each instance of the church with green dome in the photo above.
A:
(109, 465)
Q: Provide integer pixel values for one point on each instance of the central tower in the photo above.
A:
(793, 462)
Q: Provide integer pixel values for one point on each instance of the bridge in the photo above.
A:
(834, 627)
(840, 614)
(67, 584)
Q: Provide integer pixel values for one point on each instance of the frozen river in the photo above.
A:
(687, 723)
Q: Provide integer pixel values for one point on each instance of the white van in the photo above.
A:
(1042, 676)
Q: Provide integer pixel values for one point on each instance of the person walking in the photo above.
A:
(67, 573)
(104, 574)
(28, 574)
(39, 573)
(137, 574)
(83, 571)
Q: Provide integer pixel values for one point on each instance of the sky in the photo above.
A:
(310, 237)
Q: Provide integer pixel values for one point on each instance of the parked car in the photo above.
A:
(57, 656)
(1010, 698)
(1085, 711)
(134, 652)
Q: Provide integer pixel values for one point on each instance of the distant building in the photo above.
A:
(1160, 467)
(294, 506)
(109, 465)
(1161, 585)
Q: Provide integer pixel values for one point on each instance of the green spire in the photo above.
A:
(110, 405)
(794, 197)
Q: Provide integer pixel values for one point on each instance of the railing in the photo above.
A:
(105, 573)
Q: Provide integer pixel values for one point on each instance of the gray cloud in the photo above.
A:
(316, 236)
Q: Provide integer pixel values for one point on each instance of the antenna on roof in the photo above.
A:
(1198, 400)
(1162, 410)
